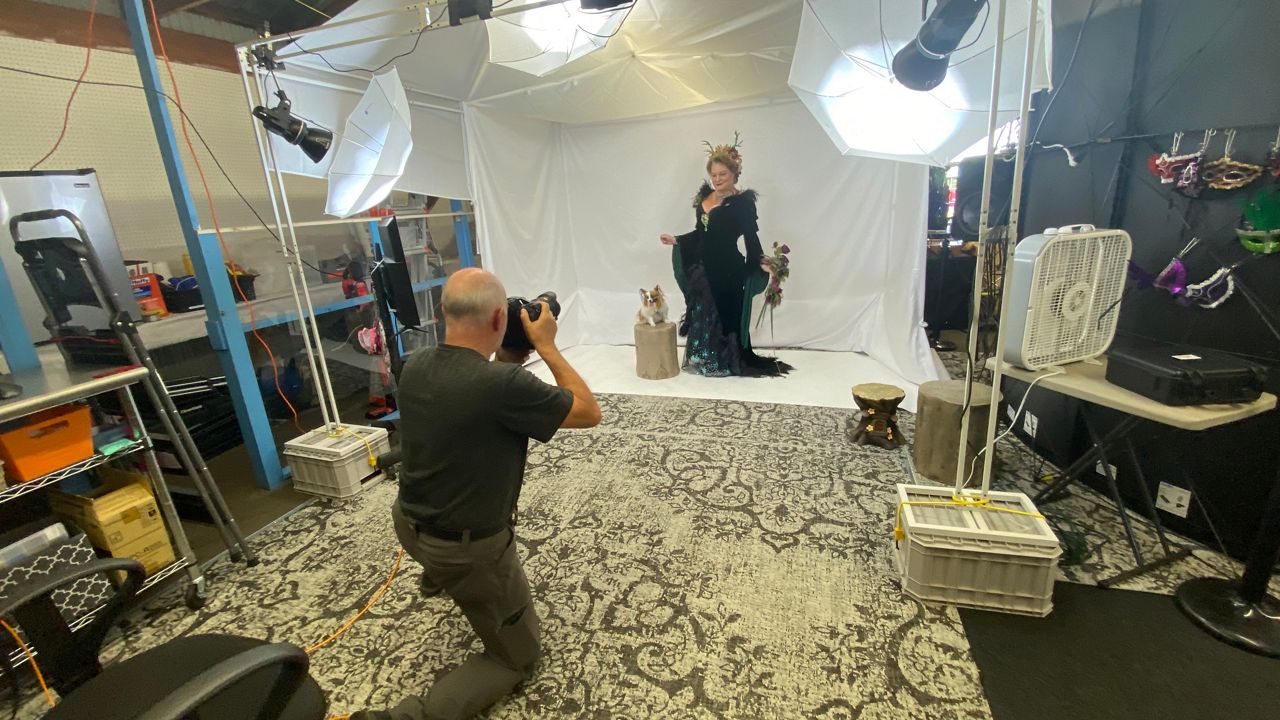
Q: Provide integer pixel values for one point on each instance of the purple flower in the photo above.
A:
(785, 249)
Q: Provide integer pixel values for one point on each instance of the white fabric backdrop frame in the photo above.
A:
(578, 209)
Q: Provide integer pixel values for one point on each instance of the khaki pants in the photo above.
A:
(485, 580)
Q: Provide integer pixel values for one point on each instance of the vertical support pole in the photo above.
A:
(963, 469)
(15, 341)
(462, 234)
(226, 333)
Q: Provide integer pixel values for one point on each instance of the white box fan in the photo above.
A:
(1064, 295)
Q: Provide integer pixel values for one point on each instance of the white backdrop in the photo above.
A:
(578, 209)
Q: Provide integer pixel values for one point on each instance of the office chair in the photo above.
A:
(195, 677)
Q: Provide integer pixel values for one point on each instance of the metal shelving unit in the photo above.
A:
(52, 385)
(18, 490)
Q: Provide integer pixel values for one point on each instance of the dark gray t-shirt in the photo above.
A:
(465, 426)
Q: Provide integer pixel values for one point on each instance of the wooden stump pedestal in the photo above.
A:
(938, 413)
(878, 424)
(656, 355)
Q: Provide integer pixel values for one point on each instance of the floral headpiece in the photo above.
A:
(730, 151)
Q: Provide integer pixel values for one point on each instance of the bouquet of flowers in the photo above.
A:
(779, 266)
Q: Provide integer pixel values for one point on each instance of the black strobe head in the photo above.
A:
(314, 141)
(922, 64)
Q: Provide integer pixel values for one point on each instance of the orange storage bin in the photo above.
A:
(51, 440)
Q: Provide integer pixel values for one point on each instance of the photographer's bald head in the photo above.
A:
(475, 310)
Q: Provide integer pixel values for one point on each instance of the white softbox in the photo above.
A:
(841, 72)
(373, 149)
(540, 40)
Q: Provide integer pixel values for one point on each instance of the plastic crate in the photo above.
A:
(48, 441)
(976, 557)
(335, 464)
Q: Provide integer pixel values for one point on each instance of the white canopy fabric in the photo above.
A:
(577, 171)
(543, 39)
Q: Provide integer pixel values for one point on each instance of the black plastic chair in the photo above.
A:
(199, 676)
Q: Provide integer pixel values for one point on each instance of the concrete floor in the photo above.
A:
(252, 506)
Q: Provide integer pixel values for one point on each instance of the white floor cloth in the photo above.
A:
(821, 379)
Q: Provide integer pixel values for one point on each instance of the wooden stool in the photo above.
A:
(938, 412)
(656, 356)
(879, 422)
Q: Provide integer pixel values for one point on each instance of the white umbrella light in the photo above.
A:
(372, 150)
(540, 40)
(841, 72)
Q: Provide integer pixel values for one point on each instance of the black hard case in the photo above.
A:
(1179, 376)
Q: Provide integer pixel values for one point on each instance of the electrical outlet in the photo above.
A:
(1173, 499)
(1100, 471)
(1030, 423)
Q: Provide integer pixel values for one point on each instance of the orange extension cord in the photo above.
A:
(66, 112)
(373, 599)
(213, 215)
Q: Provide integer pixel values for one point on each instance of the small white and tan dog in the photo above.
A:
(653, 307)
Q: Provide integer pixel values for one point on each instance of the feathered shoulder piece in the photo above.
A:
(702, 194)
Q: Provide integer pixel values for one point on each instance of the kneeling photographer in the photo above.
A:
(465, 429)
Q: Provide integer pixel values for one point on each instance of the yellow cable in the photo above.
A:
(980, 503)
(48, 695)
(314, 10)
(373, 459)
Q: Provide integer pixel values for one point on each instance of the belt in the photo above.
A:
(461, 535)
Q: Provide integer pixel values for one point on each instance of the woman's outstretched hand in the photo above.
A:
(667, 239)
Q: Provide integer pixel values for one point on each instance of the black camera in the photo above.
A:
(515, 339)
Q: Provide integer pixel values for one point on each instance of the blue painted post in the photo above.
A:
(226, 333)
(462, 233)
(15, 341)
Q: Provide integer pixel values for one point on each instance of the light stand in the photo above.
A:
(1242, 614)
(985, 245)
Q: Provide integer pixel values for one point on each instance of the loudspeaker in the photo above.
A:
(948, 282)
(964, 220)
(459, 9)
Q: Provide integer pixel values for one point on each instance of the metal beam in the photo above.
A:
(226, 333)
(169, 7)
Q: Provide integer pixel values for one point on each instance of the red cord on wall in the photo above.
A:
(66, 112)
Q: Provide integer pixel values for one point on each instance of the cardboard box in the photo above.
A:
(114, 516)
(153, 550)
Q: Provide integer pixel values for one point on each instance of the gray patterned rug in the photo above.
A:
(689, 559)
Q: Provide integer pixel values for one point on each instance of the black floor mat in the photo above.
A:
(1106, 654)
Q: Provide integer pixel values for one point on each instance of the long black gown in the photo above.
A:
(718, 284)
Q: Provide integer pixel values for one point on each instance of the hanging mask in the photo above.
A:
(1227, 174)
(1169, 166)
(1189, 182)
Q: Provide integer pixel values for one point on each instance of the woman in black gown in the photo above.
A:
(717, 281)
